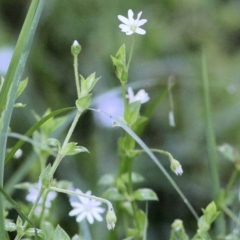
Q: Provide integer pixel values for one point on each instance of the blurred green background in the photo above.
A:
(176, 32)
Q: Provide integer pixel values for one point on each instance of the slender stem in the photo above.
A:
(123, 85)
(154, 159)
(211, 144)
(75, 66)
(131, 53)
(81, 195)
(19, 236)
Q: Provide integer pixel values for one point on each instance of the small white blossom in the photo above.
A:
(33, 193)
(171, 119)
(18, 153)
(141, 96)
(86, 208)
(131, 25)
(111, 219)
(176, 167)
(5, 58)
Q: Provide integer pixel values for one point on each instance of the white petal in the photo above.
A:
(139, 15)
(123, 19)
(97, 216)
(90, 217)
(141, 22)
(130, 95)
(75, 211)
(130, 14)
(125, 28)
(81, 217)
(140, 31)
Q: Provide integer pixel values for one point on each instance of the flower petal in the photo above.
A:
(123, 19)
(140, 31)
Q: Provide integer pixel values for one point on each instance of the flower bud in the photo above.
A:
(76, 48)
(176, 167)
(111, 219)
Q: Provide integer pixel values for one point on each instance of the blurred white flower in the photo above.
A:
(171, 119)
(176, 167)
(18, 153)
(141, 96)
(86, 208)
(33, 193)
(5, 58)
(111, 219)
(130, 25)
(111, 104)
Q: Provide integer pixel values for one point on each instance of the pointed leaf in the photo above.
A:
(145, 194)
(22, 85)
(60, 234)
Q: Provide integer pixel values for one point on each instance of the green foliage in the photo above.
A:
(60, 234)
(119, 63)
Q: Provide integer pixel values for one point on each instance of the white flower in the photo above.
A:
(86, 208)
(5, 58)
(110, 103)
(18, 153)
(141, 96)
(171, 119)
(33, 193)
(130, 25)
(176, 167)
(111, 219)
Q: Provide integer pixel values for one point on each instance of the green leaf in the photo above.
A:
(132, 112)
(120, 64)
(22, 85)
(145, 194)
(136, 177)
(178, 231)
(121, 54)
(142, 220)
(107, 179)
(54, 142)
(60, 234)
(133, 233)
(35, 232)
(113, 194)
(46, 176)
(72, 149)
(10, 226)
(210, 213)
(48, 229)
(203, 226)
(83, 102)
(20, 143)
(88, 84)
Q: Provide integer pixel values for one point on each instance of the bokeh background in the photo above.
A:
(176, 32)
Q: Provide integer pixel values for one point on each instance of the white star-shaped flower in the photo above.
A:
(141, 96)
(176, 167)
(86, 208)
(33, 193)
(130, 25)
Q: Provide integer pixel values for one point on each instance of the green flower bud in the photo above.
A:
(176, 167)
(111, 219)
(76, 48)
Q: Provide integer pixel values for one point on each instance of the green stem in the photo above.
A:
(69, 192)
(131, 53)
(75, 66)
(154, 159)
(123, 85)
(19, 236)
(211, 144)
